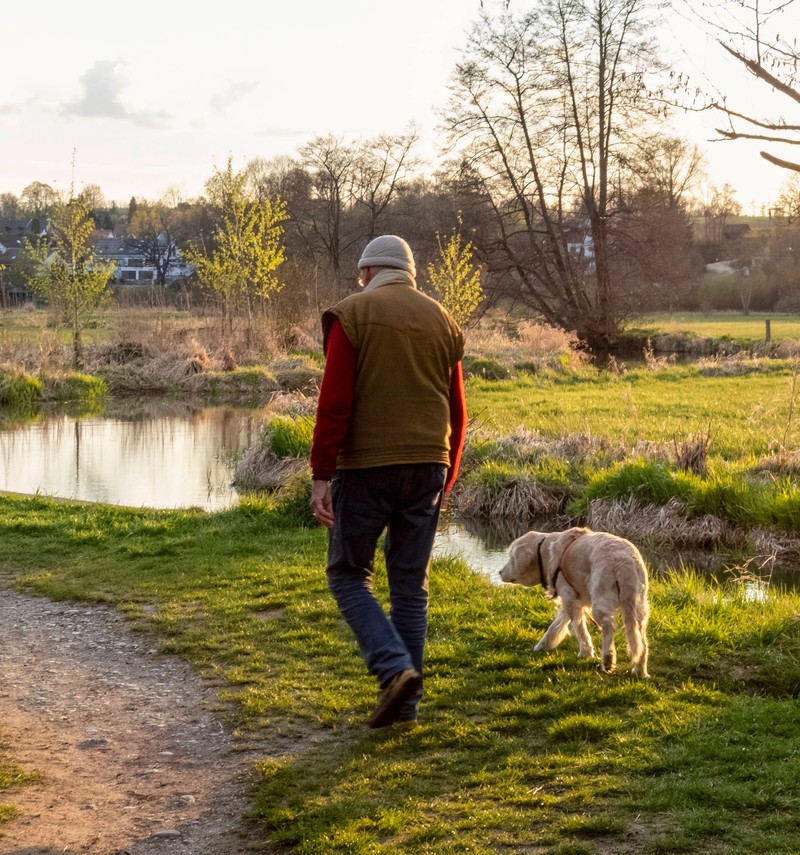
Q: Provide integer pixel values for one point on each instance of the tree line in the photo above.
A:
(562, 185)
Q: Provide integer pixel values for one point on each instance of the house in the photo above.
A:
(580, 247)
(133, 262)
(13, 234)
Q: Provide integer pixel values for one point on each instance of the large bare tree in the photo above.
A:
(381, 166)
(543, 105)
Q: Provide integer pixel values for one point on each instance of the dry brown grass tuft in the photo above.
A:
(783, 463)
(691, 453)
(732, 366)
(527, 344)
(260, 470)
(657, 363)
(519, 499)
(293, 403)
(789, 348)
(661, 523)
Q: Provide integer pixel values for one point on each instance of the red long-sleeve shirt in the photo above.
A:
(335, 408)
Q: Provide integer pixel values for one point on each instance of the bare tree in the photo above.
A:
(38, 200)
(381, 165)
(544, 104)
(9, 206)
(331, 164)
(157, 228)
(666, 166)
(720, 205)
(92, 196)
(280, 176)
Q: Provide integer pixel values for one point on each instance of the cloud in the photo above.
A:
(10, 109)
(222, 101)
(102, 89)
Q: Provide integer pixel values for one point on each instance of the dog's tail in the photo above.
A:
(635, 615)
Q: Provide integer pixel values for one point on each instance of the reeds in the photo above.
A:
(665, 523)
(19, 391)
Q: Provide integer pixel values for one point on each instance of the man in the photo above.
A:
(390, 428)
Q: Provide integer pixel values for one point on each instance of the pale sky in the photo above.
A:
(153, 94)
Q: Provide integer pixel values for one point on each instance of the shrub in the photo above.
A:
(19, 391)
(76, 387)
(289, 437)
(489, 369)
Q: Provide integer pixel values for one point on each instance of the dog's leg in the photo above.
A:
(556, 632)
(635, 616)
(637, 645)
(585, 646)
(605, 620)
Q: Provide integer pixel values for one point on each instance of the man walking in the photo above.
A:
(390, 428)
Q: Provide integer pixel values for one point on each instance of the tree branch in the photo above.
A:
(785, 164)
(759, 71)
(759, 124)
(736, 135)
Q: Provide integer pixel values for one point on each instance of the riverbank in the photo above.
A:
(515, 749)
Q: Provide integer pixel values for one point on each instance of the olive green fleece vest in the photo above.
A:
(407, 347)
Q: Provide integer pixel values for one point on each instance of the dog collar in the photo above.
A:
(541, 566)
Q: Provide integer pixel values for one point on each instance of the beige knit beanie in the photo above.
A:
(388, 251)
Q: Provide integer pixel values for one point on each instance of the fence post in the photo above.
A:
(767, 331)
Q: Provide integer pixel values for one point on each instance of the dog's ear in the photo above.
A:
(522, 566)
(534, 558)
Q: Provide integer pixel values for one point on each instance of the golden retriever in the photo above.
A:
(589, 571)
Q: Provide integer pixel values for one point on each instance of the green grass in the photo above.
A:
(516, 752)
(747, 415)
(289, 437)
(19, 392)
(746, 330)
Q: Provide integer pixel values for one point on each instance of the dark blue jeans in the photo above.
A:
(404, 500)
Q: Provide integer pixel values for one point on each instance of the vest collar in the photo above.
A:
(391, 276)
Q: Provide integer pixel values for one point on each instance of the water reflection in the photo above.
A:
(484, 548)
(162, 455)
(179, 459)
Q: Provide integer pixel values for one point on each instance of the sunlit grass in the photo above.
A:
(516, 751)
(746, 415)
(746, 330)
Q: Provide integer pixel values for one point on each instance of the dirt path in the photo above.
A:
(132, 756)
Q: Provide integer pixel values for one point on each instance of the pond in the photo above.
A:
(149, 455)
(140, 458)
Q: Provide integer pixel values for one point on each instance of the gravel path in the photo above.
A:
(133, 758)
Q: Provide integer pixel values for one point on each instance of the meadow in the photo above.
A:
(745, 330)
(516, 751)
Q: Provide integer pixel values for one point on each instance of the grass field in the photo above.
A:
(747, 415)
(746, 330)
(516, 751)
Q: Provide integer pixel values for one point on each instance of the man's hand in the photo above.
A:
(321, 503)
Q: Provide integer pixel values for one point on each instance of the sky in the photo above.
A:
(156, 94)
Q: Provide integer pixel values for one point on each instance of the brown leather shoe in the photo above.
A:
(399, 689)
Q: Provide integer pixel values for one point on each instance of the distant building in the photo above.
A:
(13, 234)
(132, 265)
